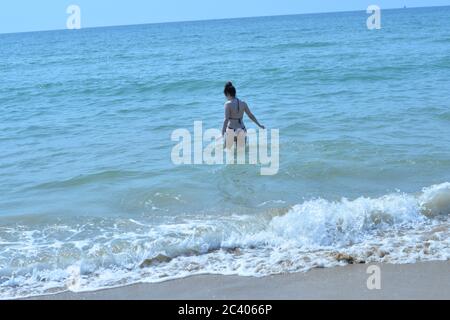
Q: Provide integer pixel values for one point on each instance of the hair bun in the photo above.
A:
(229, 90)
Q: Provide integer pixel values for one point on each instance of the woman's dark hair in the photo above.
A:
(230, 89)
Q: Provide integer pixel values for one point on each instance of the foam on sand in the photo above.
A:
(395, 228)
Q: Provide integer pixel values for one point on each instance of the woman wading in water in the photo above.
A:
(233, 125)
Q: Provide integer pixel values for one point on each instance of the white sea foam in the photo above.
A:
(395, 228)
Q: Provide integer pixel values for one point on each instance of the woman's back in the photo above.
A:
(235, 110)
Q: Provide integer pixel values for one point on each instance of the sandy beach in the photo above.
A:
(428, 280)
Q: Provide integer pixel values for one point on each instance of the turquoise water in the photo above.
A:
(90, 197)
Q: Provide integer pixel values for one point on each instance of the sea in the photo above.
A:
(90, 197)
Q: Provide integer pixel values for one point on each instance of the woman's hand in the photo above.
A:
(262, 127)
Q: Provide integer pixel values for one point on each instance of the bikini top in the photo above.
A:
(237, 121)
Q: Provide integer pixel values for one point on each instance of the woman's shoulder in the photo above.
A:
(228, 104)
(243, 103)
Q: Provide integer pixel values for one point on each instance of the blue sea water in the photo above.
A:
(90, 197)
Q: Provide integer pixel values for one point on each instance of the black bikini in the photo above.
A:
(240, 120)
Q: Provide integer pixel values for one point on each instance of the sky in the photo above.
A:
(32, 15)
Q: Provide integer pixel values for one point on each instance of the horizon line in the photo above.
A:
(219, 19)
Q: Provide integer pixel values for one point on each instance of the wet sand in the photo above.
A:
(430, 280)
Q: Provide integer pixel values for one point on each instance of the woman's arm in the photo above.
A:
(227, 119)
(252, 117)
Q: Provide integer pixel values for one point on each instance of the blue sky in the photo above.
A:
(30, 15)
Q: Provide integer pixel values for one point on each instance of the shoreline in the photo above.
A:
(423, 280)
